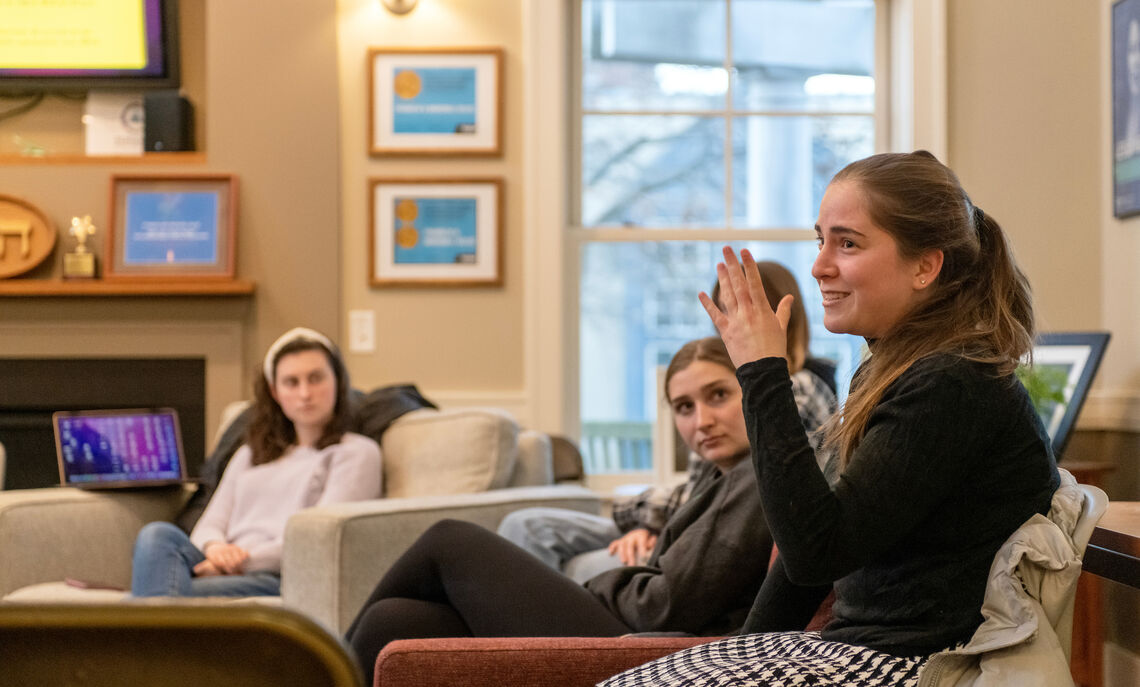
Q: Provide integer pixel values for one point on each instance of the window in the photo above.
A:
(701, 123)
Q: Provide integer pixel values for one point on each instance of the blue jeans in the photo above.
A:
(164, 561)
(566, 540)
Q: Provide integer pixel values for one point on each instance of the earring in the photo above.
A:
(922, 281)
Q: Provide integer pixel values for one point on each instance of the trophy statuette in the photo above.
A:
(80, 263)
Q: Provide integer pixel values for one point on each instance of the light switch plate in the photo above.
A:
(361, 331)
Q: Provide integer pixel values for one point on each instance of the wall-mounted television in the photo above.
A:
(67, 47)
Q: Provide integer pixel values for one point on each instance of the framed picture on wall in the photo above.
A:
(1064, 365)
(1126, 108)
(172, 227)
(435, 101)
(436, 232)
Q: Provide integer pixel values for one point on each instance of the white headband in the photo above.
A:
(295, 334)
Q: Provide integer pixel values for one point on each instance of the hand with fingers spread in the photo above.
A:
(749, 327)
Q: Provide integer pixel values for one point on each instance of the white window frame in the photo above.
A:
(916, 109)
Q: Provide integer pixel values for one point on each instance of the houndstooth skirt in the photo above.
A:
(774, 659)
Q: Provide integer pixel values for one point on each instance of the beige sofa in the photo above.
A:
(471, 464)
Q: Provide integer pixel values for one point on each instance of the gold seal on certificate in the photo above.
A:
(407, 84)
(407, 210)
(407, 237)
(80, 263)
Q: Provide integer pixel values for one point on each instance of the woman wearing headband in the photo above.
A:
(297, 454)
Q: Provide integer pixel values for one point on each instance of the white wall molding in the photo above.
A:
(919, 104)
(1112, 410)
(548, 376)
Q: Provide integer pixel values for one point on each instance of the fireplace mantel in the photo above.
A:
(219, 342)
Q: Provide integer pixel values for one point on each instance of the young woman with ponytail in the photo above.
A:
(943, 455)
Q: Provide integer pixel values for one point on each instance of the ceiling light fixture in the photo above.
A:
(400, 6)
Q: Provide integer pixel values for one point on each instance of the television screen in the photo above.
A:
(48, 45)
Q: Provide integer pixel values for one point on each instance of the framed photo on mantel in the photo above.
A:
(435, 101)
(172, 227)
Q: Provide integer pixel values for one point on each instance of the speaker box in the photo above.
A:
(169, 122)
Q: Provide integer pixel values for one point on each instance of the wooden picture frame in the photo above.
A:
(1125, 108)
(169, 228)
(435, 101)
(435, 232)
(1068, 361)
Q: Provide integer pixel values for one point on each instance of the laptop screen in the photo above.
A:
(101, 449)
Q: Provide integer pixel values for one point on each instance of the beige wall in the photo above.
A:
(1030, 135)
(1024, 134)
(446, 340)
(266, 86)
(282, 102)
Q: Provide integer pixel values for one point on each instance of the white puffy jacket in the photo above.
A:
(1032, 582)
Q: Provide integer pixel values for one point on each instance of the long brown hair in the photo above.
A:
(710, 349)
(778, 282)
(979, 307)
(270, 433)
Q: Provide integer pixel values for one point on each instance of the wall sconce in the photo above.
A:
(400, 6)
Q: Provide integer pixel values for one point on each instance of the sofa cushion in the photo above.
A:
(62, 592)
(457, 451)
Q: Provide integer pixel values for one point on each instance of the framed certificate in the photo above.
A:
(435, 101)
(172, 227)
(436, 233)
(1126, 108)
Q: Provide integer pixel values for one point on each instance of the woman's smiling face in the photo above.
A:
(867, 286)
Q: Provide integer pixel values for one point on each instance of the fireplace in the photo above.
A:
(31, 389)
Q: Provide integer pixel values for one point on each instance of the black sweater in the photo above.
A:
(954, 459)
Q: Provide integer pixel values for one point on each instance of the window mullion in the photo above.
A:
(728, 116)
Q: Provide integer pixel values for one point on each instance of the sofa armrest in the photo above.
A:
(507, 662)
(534, 465)
(334, 555)
(49, 534)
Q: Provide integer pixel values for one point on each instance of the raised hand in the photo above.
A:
(748, 326)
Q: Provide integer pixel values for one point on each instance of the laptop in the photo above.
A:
(110, 449)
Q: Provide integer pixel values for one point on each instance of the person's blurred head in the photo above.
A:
(702, 390)
(779, 282)
(303, 384)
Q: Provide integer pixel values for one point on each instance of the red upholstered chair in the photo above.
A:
(529, 661)
(518, 662)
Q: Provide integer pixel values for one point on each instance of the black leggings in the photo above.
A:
(461, 580)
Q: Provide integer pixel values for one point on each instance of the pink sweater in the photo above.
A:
(253, 502)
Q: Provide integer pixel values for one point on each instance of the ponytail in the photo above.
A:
(980, 306)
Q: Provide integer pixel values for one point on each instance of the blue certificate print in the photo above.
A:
(435, 230)
(171, 227)
(434, 101)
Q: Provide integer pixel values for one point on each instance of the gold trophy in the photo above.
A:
(80, 263)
